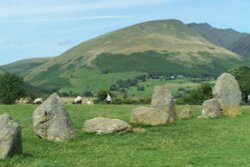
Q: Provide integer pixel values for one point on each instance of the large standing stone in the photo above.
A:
(149, 116)
(211, 109)
(102, 125)
(10, 137)
(162, 100)
(51, 120)
(228, 94)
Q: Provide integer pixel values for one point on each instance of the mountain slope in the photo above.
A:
(159, 36)
(228, 38)
(2, 72)
(25, 66)
(242, 46)
(165, 46)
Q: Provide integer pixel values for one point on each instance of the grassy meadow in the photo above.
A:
(213, 142)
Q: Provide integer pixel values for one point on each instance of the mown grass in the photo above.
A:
(214, 142)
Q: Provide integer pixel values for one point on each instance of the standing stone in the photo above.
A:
(10, 137)
(102, 125)
(149, 116)
(211, 109)
(186, 113)
(162, 100)
(228, 94)
(51, 120)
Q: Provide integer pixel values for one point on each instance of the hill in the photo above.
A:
(228, 38)
(165, 46)
(25, 66)
(242, 46)
(2, 72)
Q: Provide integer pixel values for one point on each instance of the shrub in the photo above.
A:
(242, 75)
(198, 96)
(11, 88)
(88, 94)
(101, 96)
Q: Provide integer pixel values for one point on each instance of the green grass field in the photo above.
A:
(214, 142)
(94, 81)
(173, 85)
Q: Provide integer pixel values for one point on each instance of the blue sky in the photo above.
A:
(44, 28)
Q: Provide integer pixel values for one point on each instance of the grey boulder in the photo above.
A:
(51, 120)
(10, 137)
(102, 125)
(186, 113)
(228, 94)
(162, 100)
(211, 109)
(149, 116)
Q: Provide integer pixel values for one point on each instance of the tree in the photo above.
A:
(242, 75)
(101, 96)
(88, 94)
(199, 95)
(11, 88)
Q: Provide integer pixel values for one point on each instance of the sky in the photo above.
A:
(45, 28)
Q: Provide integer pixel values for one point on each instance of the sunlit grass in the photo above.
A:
(213, 142)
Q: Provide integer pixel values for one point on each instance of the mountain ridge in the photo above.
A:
(229, 38)
(166, 46)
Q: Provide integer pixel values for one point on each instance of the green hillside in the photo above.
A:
(2, 72)
(228, 38)
(165, 46)
(25, 66)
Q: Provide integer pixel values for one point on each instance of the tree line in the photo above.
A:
(12, 87)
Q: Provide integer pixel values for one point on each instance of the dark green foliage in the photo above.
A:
(32, 92)
(199, 95)
(153, 62)
(142, 78)
(121, 85)
(142, 100)
(88, 94)
(140, 88)
(64, 94)
(11, 88)
(242, 75)
(101, 96)
(114, 87)
(149, 61)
